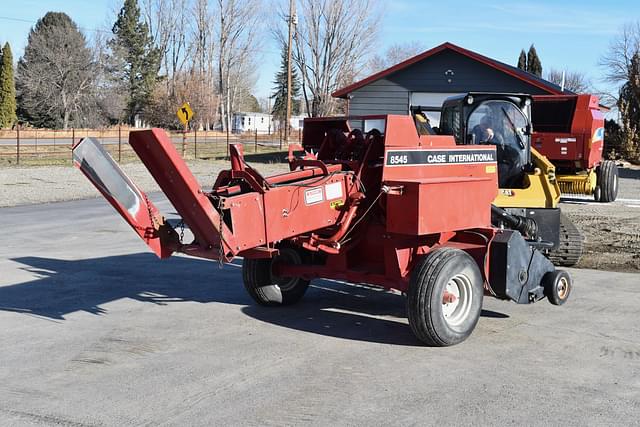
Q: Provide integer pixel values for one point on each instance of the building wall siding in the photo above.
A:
(390, 95)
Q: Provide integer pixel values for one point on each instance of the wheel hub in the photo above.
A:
(456, 299)
(563, 288)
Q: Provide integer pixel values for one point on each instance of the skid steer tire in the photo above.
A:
(607, 182)
(569, 251)
(432, 320)
(557, 286)
(269, 290)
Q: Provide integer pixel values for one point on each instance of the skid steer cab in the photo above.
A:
(366, 200)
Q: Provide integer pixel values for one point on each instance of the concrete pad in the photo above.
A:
(95, 330)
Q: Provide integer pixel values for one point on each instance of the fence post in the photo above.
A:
(195, 143)
(184, 140)
(227, 139)
(73, 141)
(54, 140)
(18, 144)
(255, 148)
(36, 140)
(119, 142)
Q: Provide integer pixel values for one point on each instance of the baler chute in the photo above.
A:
(387, 207)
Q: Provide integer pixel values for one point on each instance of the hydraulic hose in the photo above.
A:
(526, 226)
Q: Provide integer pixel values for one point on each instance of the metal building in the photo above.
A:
(429, 78)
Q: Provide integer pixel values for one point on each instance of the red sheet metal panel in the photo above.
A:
(181, 188)
(306, 206)
(440, 205)
(444, 187)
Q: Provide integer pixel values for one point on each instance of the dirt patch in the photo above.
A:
(611, 230)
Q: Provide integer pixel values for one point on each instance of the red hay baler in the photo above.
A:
(569, 131)
(387, 207)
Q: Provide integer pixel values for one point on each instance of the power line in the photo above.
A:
(28, 21)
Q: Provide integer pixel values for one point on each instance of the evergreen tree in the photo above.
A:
(522, 60)
(279, 96)
(7, 89)
(629, 106)
(55, 76)
(137, 61)
(534, 66)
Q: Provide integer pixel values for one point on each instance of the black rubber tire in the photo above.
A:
(267, 289)
(607, 182)
(428, 281)
(557, 286)
(571, 247)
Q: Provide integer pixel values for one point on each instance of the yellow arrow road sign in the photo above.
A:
(184, 113)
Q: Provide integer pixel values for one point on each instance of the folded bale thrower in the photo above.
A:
(383, 206)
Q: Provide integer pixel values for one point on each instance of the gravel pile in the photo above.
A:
(29, 185)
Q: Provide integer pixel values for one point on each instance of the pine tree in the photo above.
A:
(279, 96)
(133, 50)
(56, 75)
(7, 89)
(534, 66)
(522, 60)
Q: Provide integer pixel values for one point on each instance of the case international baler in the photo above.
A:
(384, 206)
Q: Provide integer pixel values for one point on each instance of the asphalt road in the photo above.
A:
(95, 331)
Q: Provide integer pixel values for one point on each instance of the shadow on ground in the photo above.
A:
(329, 308)
(629, 173)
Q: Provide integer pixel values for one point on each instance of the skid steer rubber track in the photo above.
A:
(571, 245)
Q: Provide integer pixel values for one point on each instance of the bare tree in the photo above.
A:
(332, 39)
(237, 44)
(616, 63)
(621, 64)
(574, 81)
(393, 55)
(208, 53)
(110, 93)
(167, 21)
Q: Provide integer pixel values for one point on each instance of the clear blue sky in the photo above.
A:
(568, 35)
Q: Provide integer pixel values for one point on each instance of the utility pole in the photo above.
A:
(292, 14)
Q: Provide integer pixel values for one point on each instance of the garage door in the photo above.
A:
(430, 102)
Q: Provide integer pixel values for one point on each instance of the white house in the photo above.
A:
(251, 122)
(296, 122)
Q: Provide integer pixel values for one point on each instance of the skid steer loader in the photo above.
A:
(529, 191)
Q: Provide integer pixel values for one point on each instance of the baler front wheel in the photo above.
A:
(268, 289)
(557, 286)
(445, 297)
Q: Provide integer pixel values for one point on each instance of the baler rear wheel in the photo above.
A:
(268, 289)
(445, 297)
(569, 251)
(607, 182)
